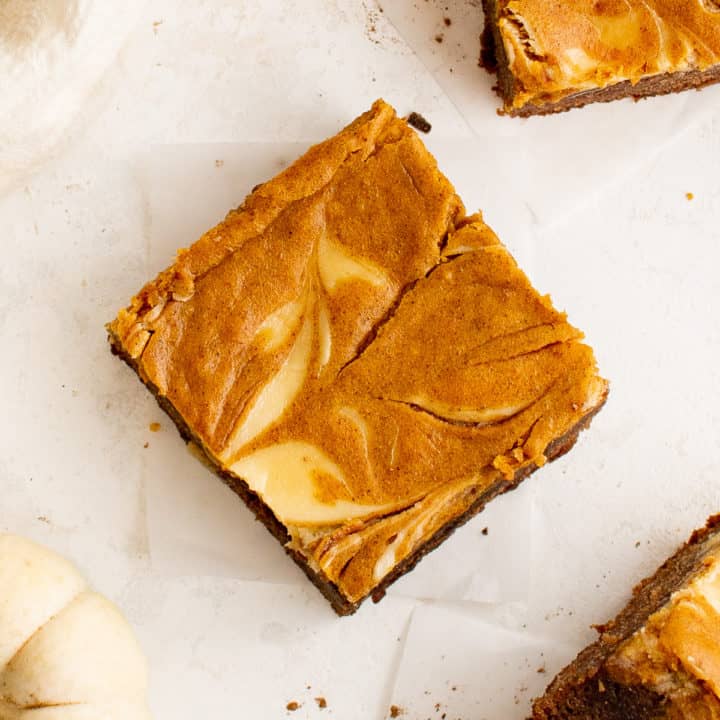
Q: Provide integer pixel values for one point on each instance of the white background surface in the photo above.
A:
(231, 628)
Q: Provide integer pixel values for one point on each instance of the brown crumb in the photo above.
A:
(419, 122)
(637, 544)
(154, 426)
(485, 531)
(219, 163)
(321, 702)
(146, 445)
(42, 518)
(396, 711)
(541, 670)
(439, 38)
(447, 21)
(156, 25)
(292, 706)
(689, 196)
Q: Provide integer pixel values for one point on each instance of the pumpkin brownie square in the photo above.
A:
(552, 57)
(659, 659)
(365, 365)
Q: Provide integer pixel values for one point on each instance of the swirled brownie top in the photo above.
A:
(364, 357)
(549, 51)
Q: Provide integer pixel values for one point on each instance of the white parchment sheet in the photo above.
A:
(463, 661)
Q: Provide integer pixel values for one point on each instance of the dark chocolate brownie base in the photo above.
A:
(583, 691)
(265, 515)
(494, 59)
(492, 53)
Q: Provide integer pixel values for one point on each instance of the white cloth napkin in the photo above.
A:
(53, 53)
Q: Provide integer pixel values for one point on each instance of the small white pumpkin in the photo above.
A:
(66, 653)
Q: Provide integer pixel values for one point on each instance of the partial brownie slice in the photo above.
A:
(552, 57)
(660, 658)
(364, 365)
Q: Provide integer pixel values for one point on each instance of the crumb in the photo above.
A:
(156, 25)
(321, 702)
(219, 163)
(372, 18)
(42, 518)
(419, 122)
(485, 531)
(146, 445)
(396, 711)
(439, 38)
(689, 195)
(447, 21)
(454, 688)
(541, 670)
(154, 426)
(292, 706)
(437, 707)
(637, 544)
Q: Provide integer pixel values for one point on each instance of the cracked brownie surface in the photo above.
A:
(360, 359)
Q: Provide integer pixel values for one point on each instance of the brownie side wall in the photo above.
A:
(603, 699)
(579, 691)
(265, 515)
(656, 85)
(493, 53)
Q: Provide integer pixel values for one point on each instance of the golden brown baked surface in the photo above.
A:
(558, 49)
(365, 357)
